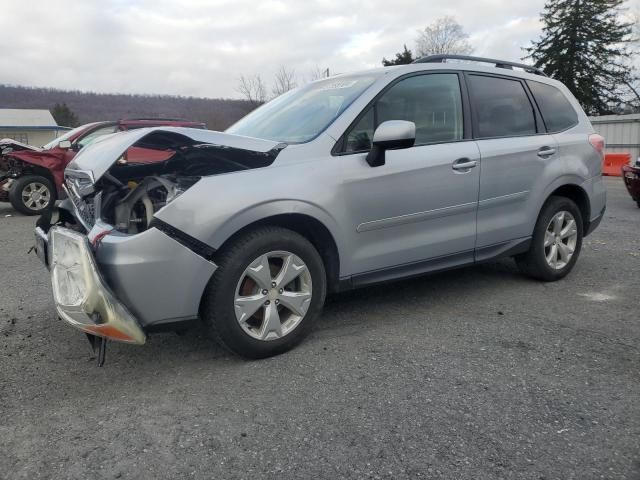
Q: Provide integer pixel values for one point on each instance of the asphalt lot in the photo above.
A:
(475, 373)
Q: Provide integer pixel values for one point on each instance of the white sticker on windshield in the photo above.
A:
(338, 84)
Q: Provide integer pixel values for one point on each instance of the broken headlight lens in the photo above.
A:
(68, 272)
(80, 182)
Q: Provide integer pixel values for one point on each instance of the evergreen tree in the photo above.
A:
(584, 45)
(63, 115)
(402, 58)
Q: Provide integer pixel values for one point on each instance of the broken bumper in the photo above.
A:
(81, 296)
(126, 285)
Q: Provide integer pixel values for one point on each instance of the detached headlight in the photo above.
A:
(68, 272)
(81, 296)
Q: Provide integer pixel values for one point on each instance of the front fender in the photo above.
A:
(214, 228)
(53, 164)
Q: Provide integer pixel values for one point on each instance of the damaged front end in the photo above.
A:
(118, 272)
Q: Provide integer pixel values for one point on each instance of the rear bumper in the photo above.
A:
(597, 194)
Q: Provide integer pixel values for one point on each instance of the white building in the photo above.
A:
(31, 126)
(621, 133)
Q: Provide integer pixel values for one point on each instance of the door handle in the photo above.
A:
(463, 164)
(546, 152)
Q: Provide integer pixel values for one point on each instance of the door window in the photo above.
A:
(88, 138)
(433, 102)
(502, 107)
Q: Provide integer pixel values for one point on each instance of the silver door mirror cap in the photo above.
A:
(392, 134)
(65, 144)
(395, 131)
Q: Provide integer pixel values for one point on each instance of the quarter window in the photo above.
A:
(433, 102)
(502, 107)
(557, 112)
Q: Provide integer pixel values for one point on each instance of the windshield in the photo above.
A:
(302, 114)
(66, 136)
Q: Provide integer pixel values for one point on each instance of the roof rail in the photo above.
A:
(468, 58)
(151, 119)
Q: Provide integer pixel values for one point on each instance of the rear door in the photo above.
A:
(515, 150)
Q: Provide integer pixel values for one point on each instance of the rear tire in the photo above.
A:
(32, 194)
(241, 316)
(556, 243)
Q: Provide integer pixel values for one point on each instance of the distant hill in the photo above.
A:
(218, 114)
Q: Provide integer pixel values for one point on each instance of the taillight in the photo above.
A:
(597, 142)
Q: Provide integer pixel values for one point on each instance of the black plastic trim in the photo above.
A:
(196, 246)
(413, 269)
(593, 224)
(503, 249)
(435, 265)
(171, 326)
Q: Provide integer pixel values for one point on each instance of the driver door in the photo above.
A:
(417, 212)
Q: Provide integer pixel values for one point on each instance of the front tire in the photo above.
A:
(32, 194)
(266, 294)
(556, 243)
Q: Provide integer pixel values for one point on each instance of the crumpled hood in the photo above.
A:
(15, 145)
(101, 154)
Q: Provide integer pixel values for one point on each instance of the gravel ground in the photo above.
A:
(475, 373)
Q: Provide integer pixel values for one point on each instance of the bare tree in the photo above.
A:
(445, 35)
(253, 89)
(285, 80)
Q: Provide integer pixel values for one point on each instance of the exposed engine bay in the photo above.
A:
(130, 207)
(129, 194)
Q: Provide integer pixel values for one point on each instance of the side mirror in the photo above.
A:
(391, 135)
(65, 144)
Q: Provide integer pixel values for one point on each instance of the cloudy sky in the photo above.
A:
(200, 48)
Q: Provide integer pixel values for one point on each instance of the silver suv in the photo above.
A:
(348, 181)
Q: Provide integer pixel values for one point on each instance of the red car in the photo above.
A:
(631, 175)
(31, 177)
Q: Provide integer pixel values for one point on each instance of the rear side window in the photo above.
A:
(557, 112)
(502, 107)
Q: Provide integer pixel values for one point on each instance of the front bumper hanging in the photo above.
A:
(82, 297)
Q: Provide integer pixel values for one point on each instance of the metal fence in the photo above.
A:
(621, 132)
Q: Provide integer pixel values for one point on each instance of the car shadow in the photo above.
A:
(438, 290)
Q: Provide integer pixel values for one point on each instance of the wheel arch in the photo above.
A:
(579, 196)
(35, 170)
(30, 168)
(310, 228)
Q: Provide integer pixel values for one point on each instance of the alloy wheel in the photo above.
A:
(273, 295)
(36, 196)
(560, 240)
